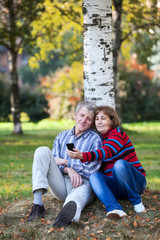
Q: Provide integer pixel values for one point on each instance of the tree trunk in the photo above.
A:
(116, 46)
(15, 104)
(98, 59)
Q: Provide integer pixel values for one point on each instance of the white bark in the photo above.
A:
(98, 59)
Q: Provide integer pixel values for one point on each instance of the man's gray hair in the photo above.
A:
(91, 106)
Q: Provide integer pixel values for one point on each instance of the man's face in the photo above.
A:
(83, 120)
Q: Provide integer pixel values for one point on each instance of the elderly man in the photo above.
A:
(67, 178)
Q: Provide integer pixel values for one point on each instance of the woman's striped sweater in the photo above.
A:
(116, 145)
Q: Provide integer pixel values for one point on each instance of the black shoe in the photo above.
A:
(37, 211)
(66, 215)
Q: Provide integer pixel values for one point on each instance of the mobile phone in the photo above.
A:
(70, 146)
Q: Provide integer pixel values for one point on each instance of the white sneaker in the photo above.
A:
(116, 214)
(139, 207)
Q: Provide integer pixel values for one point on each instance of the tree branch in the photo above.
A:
(136, 28)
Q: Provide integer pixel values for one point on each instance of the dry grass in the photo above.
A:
(92, 225)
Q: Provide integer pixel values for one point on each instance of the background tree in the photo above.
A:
(131, 20)
(60, 22)
(15, 32)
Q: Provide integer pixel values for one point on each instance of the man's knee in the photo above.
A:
(41, 150)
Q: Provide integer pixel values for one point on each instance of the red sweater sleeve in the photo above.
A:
(111, 146)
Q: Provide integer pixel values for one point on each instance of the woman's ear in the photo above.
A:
(112, 123)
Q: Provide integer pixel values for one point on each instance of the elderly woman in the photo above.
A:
(121, 175)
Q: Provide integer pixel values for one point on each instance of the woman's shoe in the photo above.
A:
(139, 208)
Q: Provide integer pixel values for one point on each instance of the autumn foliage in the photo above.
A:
(139, 93)
(134, 65)
(64, 90)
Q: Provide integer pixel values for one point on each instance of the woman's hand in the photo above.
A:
(61, 161)
(76, 154)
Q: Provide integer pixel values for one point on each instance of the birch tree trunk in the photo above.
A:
(98, 59)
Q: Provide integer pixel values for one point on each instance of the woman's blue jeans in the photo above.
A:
(126, 182)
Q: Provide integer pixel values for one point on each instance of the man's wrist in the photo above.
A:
(66, 170)
(65, 162)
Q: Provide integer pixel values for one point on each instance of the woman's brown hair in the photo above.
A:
(111, 113)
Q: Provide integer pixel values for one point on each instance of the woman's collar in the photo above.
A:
(106, 133)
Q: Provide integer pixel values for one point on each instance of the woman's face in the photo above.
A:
(102, 122)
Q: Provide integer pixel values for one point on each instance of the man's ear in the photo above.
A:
(75, 116)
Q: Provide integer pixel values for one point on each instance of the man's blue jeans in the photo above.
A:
(126, 182)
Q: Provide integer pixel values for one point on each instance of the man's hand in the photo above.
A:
(61, 161)
(76, 154)
(76, 179)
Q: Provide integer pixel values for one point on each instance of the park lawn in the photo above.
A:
(16, 155)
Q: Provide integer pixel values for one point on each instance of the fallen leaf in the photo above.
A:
(92, 235)
(138, 217)
(86, 228)
(153, 209)
(154, 196)
(135, 224)
(108, 238)
(48, 222)
(96, 224)
(147, 219)
(50, 230)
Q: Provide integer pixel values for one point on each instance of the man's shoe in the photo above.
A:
(139, 208)
(116, 214)
(37, 211)
(66, 215)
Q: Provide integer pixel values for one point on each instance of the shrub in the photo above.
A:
(32, 103)
(139, 97)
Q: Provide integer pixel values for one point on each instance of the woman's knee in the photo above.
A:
(119, 166)
(95, 176)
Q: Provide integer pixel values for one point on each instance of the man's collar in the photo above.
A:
(84, 134)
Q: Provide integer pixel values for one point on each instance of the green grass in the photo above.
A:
(146, 140)
(16, 156)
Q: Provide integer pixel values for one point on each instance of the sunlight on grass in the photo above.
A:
(142, 126)
(13, 190)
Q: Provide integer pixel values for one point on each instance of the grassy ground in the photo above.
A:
(16, 154)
